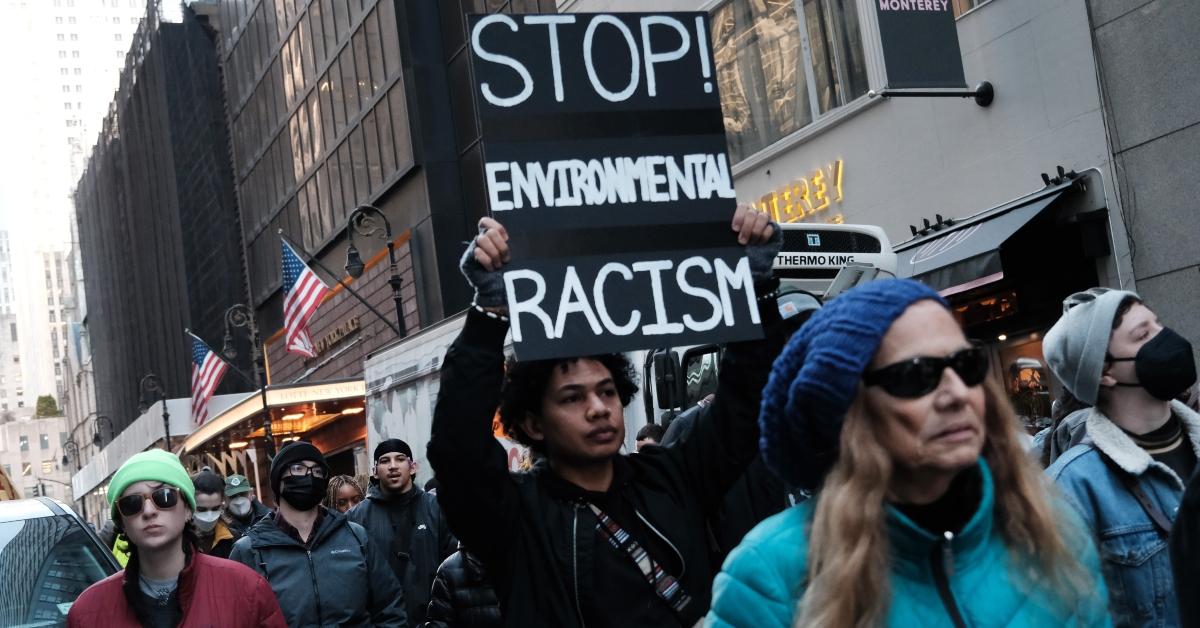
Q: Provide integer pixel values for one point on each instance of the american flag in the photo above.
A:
(303, 292)
(207, 370)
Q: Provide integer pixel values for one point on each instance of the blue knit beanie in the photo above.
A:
(816, 377)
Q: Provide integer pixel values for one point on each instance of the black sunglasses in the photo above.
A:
(920, 376)
(163, 498)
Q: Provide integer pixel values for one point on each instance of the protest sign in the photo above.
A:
(604, 158)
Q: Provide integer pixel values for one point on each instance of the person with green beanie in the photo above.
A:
(167, 582)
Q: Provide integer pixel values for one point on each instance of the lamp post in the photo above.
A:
(152, 384)
(365, 220)
(98, 440)
(241, 316)
(72, 450)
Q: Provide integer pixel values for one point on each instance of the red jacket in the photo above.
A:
(212, 592)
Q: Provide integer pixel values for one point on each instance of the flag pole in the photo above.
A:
(341, 283)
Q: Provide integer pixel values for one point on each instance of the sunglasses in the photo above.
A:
(163, 499)
(1079, 298)
(920, 376)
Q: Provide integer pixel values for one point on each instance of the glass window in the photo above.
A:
(359, 160)
(320, 227)
(764, 72)
(289, 89)
(314, 119)
(962, 6)
(26, 468)
(297, 151)
(387, 149)
(23, 440)
(390, 39)
(65, 560)
(374, 50)
(362, 66)
(316, 28)
(304, 38)
(44, 439)
(324, 202)
(400, 130)
(348, 195)
(307, 219)
(306, 148)
(327, 128)
(333, 168)
(349, 84)
(337, 102)
(328, 27)
(371, 137)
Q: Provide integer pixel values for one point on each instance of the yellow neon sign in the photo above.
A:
(806, 198)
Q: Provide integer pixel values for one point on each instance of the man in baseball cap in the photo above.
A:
(242, 507)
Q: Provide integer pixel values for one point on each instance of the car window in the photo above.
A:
(45, 563)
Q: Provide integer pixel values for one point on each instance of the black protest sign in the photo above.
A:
(604, 158)
(920, 44)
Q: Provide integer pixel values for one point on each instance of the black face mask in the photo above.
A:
(1164, 365)
(303, 492)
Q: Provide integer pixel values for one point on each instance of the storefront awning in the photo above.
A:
(967, 254)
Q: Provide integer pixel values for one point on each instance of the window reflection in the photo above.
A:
(764, 66)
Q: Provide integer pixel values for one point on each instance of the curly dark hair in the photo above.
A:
(208, 482)
(525, 384)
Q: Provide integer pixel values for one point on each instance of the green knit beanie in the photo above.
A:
(155, 465)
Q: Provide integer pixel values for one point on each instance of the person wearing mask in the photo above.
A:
(242, 508)
(650, 434)
(406, 523)
(589, 536)
(462, 596)
(212, 534)
(927, 511)
(324, 569)
(1127, 477)
(167, 581)
(343, 493)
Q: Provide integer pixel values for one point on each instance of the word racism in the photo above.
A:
(604, 158)
(575, 298)
(574, 182)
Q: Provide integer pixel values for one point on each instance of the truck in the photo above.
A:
(815, 263)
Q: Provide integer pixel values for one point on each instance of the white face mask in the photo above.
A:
(207, 520)
(239, 506)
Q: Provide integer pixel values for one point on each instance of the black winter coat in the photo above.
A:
(1185, 553)
(535, 532)
(431, 540)
(462, 596)
(339, 580)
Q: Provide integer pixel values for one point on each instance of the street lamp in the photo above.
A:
(152, 384)
(72, 450)
(101, 419)
(365, 220)
(241, 316)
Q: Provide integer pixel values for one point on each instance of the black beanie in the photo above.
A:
(392, 446)
(295, 451)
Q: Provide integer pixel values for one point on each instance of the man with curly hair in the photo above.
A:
(589, 536)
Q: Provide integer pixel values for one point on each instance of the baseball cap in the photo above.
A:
(236, 485)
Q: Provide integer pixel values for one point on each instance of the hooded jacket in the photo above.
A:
(535, 532)
(1134, 555)
(974, 573)
(212, 592)
(462, 596)
(431, 543)
(340, 579)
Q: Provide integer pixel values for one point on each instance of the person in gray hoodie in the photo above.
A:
(405, 524)
(324, 569)
(1127, 475)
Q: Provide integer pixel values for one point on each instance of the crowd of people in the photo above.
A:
(857, 466)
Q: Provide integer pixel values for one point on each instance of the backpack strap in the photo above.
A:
(1161, 522)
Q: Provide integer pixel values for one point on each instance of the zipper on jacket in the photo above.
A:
(312, 570)
(575, 562)
(942, 561)
(682, 562)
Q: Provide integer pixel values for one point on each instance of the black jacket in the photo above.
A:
(1185, 553)
(237, 526)
(431, 540)
(535, 532)
(462, 596)
(339, 580)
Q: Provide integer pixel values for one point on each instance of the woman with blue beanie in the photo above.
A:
(927, 512)
(168, 582)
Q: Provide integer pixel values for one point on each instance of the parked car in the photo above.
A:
(48, 556)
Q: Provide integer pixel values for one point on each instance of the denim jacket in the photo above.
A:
(1134, 556)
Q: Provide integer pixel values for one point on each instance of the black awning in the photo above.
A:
(968, 254)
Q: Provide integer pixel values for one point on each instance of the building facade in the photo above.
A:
(157, 218)
(31, 451)
(333, 105)
(812, 141)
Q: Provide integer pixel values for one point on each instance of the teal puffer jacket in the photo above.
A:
(972, 573)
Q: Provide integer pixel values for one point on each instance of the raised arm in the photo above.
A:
(475, 491)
